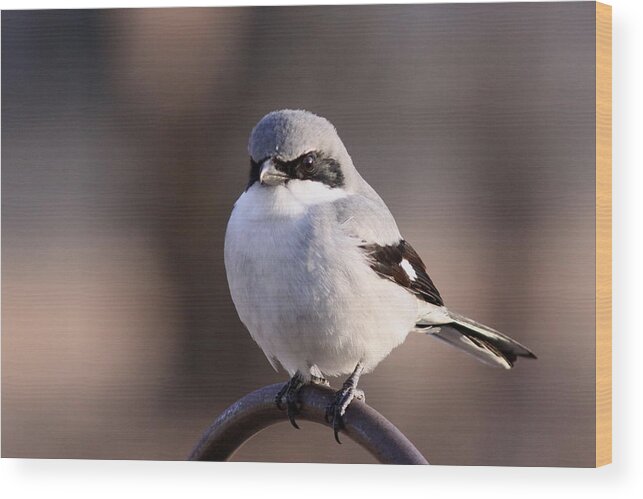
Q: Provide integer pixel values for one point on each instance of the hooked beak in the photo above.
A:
(269, 174)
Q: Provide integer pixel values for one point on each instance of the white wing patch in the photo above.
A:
(408, 268)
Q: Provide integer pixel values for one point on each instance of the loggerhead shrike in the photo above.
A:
(319, 273)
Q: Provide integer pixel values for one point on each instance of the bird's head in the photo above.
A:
(297, 146)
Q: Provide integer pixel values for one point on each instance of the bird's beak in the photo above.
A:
(269, 174)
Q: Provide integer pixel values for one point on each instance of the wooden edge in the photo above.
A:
(603, 234)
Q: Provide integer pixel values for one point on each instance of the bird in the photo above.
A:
(319, 273)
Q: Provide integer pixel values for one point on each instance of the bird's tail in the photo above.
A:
(484, 343)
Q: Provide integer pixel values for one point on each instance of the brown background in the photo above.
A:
(124, 136)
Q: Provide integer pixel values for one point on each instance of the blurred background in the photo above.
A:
(124, 139)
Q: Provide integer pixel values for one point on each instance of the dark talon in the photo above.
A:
(336, 410)
(336, 430)
(293, 406)
(289, 392)
(334, 413)
(291, 417)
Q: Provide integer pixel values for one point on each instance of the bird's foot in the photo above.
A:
(288, 399)
(336, 410)
(315, 380)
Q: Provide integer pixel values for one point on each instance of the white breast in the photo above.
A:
(303, 288)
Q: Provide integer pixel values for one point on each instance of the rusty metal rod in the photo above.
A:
(257, 411)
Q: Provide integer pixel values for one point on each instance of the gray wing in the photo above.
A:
(368, 220)
(371, 224)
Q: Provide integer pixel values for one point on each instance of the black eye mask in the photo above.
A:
(313, 166)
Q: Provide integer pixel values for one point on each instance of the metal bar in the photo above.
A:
(257, 411)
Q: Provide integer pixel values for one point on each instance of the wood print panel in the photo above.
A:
(603, 234)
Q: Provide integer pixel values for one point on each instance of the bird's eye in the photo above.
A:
(308, 163)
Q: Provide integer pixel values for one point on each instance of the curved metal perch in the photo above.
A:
(257, 410)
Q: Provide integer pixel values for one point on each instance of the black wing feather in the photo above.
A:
(387, 262)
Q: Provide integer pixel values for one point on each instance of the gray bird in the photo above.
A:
(319, 273)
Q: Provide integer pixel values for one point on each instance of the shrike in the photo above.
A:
(319, 273)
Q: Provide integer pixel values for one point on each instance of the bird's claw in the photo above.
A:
(336, 410)
(287, 398)
(316, 380)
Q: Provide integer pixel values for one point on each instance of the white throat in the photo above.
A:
(289, 200)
